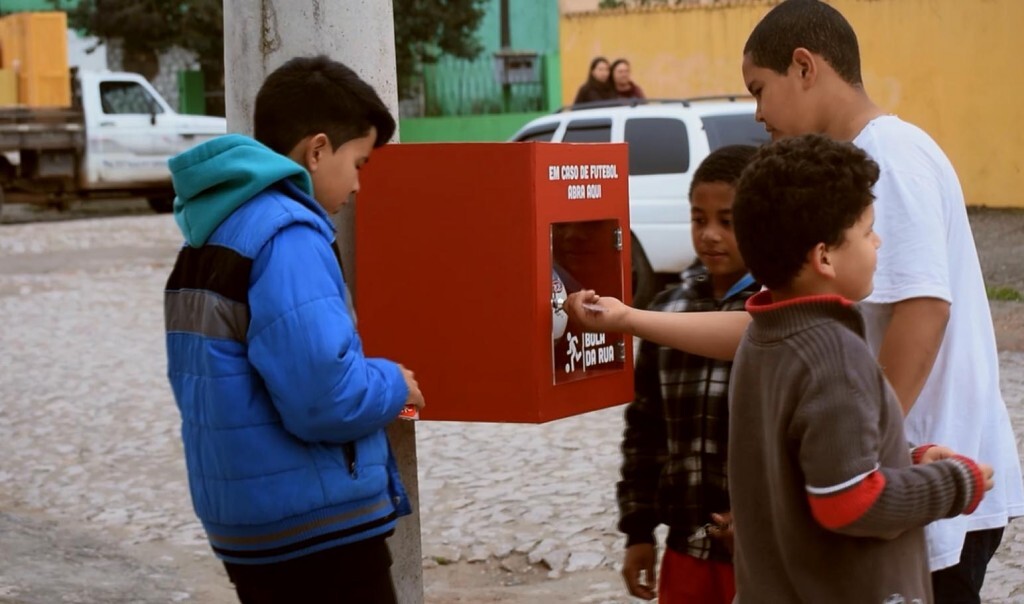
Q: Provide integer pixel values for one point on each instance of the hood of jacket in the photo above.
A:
(213, 179)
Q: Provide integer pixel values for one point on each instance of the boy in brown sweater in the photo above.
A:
(829, 501)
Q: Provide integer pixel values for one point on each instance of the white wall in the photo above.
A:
(79, 57)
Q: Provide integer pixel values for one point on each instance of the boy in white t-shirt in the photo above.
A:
(928, 319)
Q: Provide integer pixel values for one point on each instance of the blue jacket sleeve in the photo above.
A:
(304, 344)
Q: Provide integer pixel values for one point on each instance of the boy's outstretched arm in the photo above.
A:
(644, 453)
(714, 334)
(304, 345)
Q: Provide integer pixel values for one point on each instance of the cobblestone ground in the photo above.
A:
(93, 498)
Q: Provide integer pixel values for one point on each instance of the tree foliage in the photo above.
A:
(424, 29)
(148, 27)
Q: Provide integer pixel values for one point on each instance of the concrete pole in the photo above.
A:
(259, 36)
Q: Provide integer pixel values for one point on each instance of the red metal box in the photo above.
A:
(463, 255)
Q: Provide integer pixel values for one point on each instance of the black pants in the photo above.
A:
(961, 584)
(359, 573)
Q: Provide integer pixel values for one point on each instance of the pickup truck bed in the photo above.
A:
(114, 140)
(40, 129)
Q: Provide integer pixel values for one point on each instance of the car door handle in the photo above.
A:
(106, 124)
(188, 135)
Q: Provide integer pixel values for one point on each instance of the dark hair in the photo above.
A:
(724, 164)
(593, 64)
(796, 193)
(310, 95)
(616, 63)
(808, 24)
(599, 88)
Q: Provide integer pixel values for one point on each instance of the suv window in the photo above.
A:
(657, 146)
(740, 129)
(543, 133)
(588, 131)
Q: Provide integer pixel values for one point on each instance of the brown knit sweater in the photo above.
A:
(827, 504)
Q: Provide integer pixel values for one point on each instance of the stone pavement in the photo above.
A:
(89, 444)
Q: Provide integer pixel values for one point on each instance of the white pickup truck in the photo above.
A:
(114, 141)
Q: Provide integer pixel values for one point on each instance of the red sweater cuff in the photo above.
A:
(918, 452)
(979, 483)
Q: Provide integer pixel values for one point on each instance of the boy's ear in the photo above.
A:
(317, 147)
(806, 64)
(820, 263)
(310, 151)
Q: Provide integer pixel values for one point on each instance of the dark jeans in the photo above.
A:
(359, 573)
(961, 584)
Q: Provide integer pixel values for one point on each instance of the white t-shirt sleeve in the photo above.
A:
(909, 217)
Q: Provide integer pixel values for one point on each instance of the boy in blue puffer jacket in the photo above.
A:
(283, 417)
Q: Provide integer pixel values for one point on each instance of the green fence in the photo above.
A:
(191, 93)
(459, 87)
(545, 97)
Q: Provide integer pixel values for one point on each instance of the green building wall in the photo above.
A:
(20, 6)
(454, 86)
(533, 25)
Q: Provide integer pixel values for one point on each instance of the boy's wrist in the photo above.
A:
(917, 453)
(638, 526)
(629, 321)
(974, 482)
(639, 538)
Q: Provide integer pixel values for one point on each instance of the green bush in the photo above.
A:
(1004, 293)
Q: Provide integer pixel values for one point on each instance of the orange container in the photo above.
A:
(8, 88)
(463, 254)
(7, 45)
(35, 46)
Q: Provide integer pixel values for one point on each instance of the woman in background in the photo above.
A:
(597, 87)
(622, 82)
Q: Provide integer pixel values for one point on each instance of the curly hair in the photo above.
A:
(809, 24)
(796, 193)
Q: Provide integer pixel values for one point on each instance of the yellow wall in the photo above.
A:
(953, 67)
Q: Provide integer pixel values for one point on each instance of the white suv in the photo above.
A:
(667, 141)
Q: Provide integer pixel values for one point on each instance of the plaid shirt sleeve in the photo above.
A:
(680, 402)
(644, 452)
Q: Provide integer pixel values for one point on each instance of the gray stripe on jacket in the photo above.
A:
(205, 313)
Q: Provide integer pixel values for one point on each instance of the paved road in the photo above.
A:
(93, 497)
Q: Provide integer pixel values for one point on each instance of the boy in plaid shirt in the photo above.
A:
(674, 446)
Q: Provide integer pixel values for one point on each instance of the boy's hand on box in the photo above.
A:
(638, 571)
(596, 313)
(415, 396)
